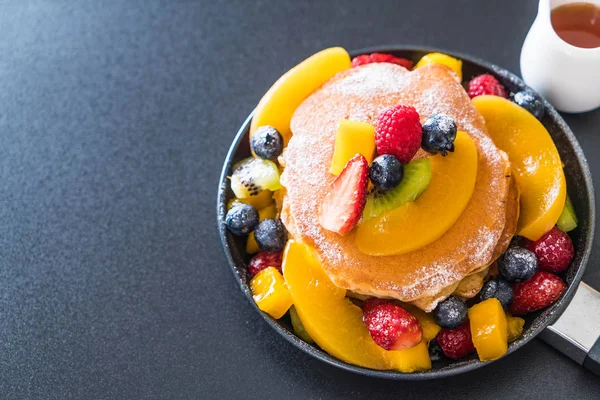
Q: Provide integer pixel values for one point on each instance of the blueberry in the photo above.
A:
(386, 172)
(517, 241)
(435, 351)
(517, 264)
(500, 289)
(241, 219)
(270, 235)
(439, 133)
(530, 102)
(450, 313)
(267, 143)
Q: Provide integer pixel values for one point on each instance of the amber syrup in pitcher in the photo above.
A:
(578, 24)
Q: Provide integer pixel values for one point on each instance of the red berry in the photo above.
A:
(263, 260)
(343, 205)
(379, 58)
(485, 84)
(554, 250)
(456, 343)
(543, 289)
(398, 132)
(391, 326)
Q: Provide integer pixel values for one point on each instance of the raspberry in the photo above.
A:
(543, 289)
(554, 250)
(456, 343)
(485, 84)
(391, 326)
(379, 58)
(263, 260)
(398, 132)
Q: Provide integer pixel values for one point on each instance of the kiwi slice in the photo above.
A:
(253, 175)
(417, 175)
(567, 220)
(298, 327)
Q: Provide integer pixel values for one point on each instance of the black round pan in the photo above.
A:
(580, 188)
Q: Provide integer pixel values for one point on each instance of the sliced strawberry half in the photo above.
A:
(343, 205)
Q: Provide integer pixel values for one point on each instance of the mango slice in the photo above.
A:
(279, 103)
(334, 322)
(270, 293)
(535, 161)
(352, 137)
(515, 327)
(438, 208)
(489, 329)
(426, 320)
(444, 59)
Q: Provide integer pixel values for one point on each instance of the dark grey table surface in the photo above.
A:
(115, 117)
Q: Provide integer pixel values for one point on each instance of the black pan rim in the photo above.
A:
(460, 367)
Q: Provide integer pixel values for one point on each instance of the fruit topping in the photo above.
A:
(450, 313)
(391, 326)
(568, 219)
(485, 84)
(534, 159)
(379, 58)
(343, 205)
(263, 260)
(499, 289)
(542, 290)
(456, 343)
(334, 322)
(416, 178)
(398, 132)
(251, 245)
(439, 133)
(386, 172)
(515, 327)
(439, 58)
(267, 143)
(554, 250)
(352, 138)
(270, 293)
(530, 102)
(517, 264)
(434, 212)
(299, 329)
(241, 219)
(270, 235)
(489, 330)
(258, 201)
(279, 103)
(426, 321)
(253, 175)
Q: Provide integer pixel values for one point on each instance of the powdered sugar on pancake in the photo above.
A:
(360, 94)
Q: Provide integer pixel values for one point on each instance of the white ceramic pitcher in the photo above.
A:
(567, 76)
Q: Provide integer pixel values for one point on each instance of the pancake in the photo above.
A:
(432, 272)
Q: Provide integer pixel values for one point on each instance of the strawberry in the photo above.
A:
(263, 260)
(343, 205)
(379, 58)
(456, 343)
(485, 84)
(399, 132)
(554, 250)
(543, 289)
(391, 326)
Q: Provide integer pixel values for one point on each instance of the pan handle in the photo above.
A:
(576, 333)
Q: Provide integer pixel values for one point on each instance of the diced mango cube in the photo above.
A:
(489, 329)
(515, 327)
(352, 137)
(269, 212)
(444, 59)
(413, 359)
(251, 245)
(427, 321)
(270, 293)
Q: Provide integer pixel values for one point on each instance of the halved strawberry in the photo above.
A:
(391, 326)
(343, 205)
